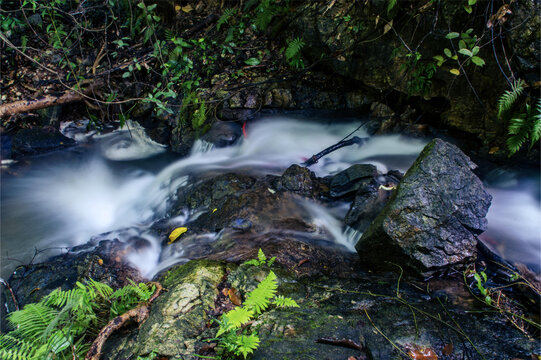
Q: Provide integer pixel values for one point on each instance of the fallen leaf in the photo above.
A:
(234, 296)
(422, 353)
(187, 8)
(447, 349)
(493, 150)
(302, 262)
(175, 234)
(100, 262)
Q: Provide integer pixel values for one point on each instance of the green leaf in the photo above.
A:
(439, 60)
(475, 50)
(465, 52)
(462, 44)
(247, 344)
(261, 256)
(447, 52)
(472, 2)
(452, 35)
(126, 74)
(468, 9)
(455, 72)
(252, 61)
(391, 5)
(239, 316)
(478, 61)
(259, 298)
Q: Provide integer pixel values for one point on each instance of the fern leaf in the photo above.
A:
(246, 344)
(516, 125)
(536, 124)
(259, 298)
(32, 320)
(224, 19)
(518, 129)
(261, 256)
(282, 301)
(239, 316)
(169, 34)
(294, 48)
(509, 97)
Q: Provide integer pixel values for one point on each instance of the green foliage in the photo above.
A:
(293, 53)
(468, 47)
(261, 260)
(391, 5)
(224, 19)
(524, 126)
(234, 332)
(57, 327)
(264, 13)
(509, 97)
(418, 72)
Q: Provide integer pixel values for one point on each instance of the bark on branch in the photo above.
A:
(139, 314)
(45, 101)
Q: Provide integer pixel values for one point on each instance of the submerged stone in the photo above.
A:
(431, 222)
(352, 179)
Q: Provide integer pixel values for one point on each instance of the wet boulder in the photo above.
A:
(431, 223)
(352, 179)
(370, 199)
(38, 140)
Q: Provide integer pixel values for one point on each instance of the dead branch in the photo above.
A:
(139, 314)
(315, 158)
(45, 101)
(5, 283)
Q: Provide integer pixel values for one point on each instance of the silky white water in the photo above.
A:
(125, 181)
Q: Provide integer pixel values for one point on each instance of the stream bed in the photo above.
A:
(121, 183)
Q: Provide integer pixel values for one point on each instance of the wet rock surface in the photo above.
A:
(431, 222)
(358, 311)
(38, 140)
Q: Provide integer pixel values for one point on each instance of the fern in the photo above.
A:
(57, 326)
(247, 344)
(224, 19)
(229, 335)
(265, 11)
(509, 97)
(524, 126)
(293, 52)
(281, 301)
(259, 298)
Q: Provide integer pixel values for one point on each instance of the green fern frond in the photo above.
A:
(32, 320)
(294, 48)
(261, 256)
(246, 344)
(518, 129)
(224, 19)
(169, 34)
(282, 301)
(239, 316)
(536, 124)
(265, 11)
(509, 97)
(259, 298)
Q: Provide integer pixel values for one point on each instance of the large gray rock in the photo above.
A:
(431, 222)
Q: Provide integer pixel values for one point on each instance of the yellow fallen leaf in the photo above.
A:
(214, 210)
(177, 8)
(175, 234)
(187, 8)
(455, 72)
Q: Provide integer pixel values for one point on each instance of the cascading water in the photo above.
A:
(124, 182)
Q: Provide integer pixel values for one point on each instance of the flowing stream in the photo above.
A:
(121, 183)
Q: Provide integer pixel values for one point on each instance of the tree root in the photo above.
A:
(139, 314)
